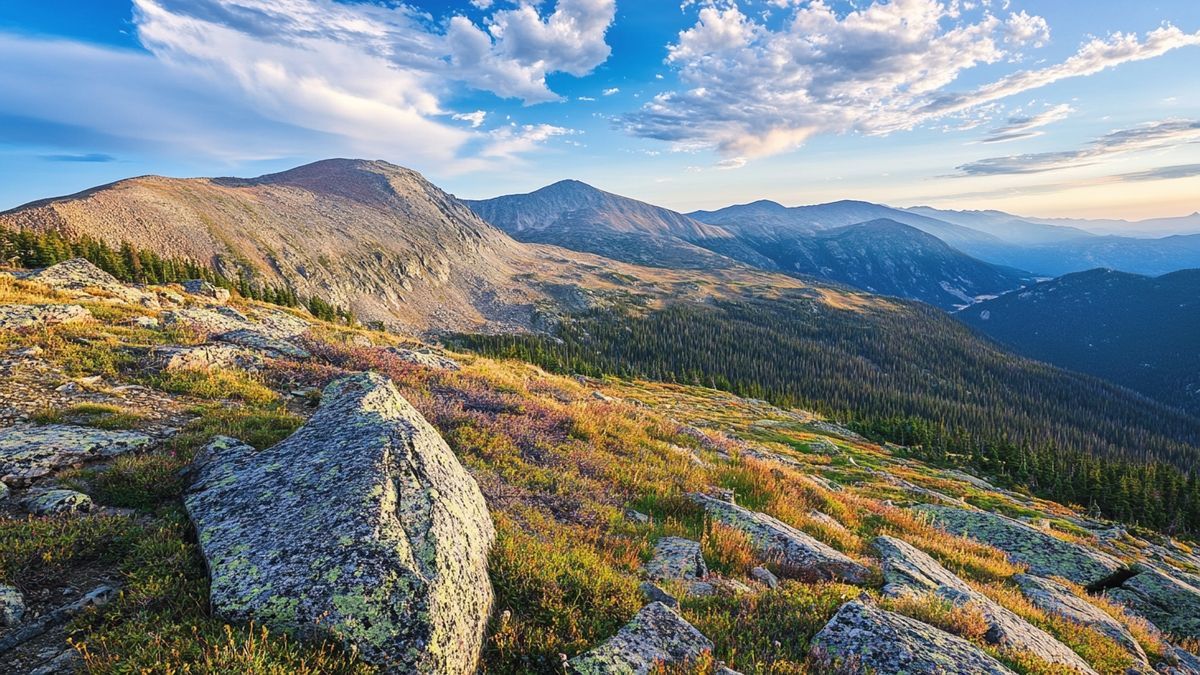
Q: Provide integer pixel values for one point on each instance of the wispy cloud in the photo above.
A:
(756, 86)
(1163, 173)
(1026, 126)
(1151, 136)
(91, 157)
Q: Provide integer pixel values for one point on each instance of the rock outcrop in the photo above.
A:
(28, 452)
(270, 331)
(15, 317)
(78, 276)
(362, 525)
(795, 553)
(655, 636)
(207, 357)
(1054, 598)
(12, 606)
(1162, 599)
(862, 638)
(204, 289)
(1044, 554)
(57, 502)
(426, 359)
(907, 569)
(676, 559)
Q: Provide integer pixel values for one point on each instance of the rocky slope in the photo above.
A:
(1137, 331)
(376, 505)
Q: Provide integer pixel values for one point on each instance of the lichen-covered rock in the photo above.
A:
(862, 638)
(655, 636)
(271, 346)
(12, 606)
(57, 502)
(219, 320)
(205, 289)
(907, 569)
(764, 576)
(362, 525)
(1054, 598)
(28, 451)
(80, 277)
(14, 317)
(676, 559)
(655, 594)
(426, 358)
(1185, 663)
(1044, 554)
(206, 357)
(795, 553)
(1171, 604)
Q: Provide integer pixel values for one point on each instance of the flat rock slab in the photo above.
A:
(29, 451)
(14, 317)
(80, 276)
(58, 502)
(1055, 598)
(1045, 555)
(271, 346)
(907, 569)
(655, 636)
(1171, 604)
(862, 638)
(425, 358)
(362, 526)
(797, 554)
(676, 559)
(206, 357)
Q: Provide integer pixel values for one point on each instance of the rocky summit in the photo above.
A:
(362, 525)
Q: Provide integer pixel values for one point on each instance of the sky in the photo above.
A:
(1038, 107)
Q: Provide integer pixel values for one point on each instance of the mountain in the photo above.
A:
(1005, 226)
(1150, 228)
(577, 216)
(1139, 331)
(889, 258)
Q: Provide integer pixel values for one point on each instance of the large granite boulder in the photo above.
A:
(1053, 597)
(795, 553)
(206, 357)
(78, 276)
(1044, 554)
(676, 559)
(907, 569)
(656, 636)
(362, 526)
(15, 317)
(28, 451)
(1171, 604)
(862, 638)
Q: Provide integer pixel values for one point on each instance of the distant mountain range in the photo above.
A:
(1139, 331)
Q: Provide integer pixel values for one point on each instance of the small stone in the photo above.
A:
(601, 396)
(205, 289)
(655, 594)
(12, 606)
(764, 576)
(145, 322)
(655, 637)
(636, 517)
(28, 352)
(58, 502)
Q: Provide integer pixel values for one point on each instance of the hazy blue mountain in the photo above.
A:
(1005, 226)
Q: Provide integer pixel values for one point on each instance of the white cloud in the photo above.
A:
(731, 163)
(1026, 126)
(611, 91)
(1151, 136)
(510, 141)
(475, 119)
(753, 88)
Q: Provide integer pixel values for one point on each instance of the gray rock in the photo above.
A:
(57, 502)
(676, 559)
(362, 525)
(655, 594)
(907, 569)
(1044, 554)
(764, 576)
(271, 346)
(12, 606)
(206, 357)
(66, 662)
(145, 322)
(271, 323)
(862, 638)
(80, 277)
(636, 517)
(14, 317)
(28, 352)
(427, 359)
(1186, 663)
(28, 451)
(1171, 604)
(1055, 598)
(655, 636)
(796, 553)
(205, 289)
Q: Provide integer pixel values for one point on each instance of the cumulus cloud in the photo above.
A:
(754, 85)
(611, 91)
(1150, 136)
(510, 141)
(475, 119)
(1027, 126)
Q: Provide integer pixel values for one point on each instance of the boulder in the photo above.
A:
(206, 357)
(205, 289)
(862, 638)
(1053, 597)
(1171, 604)
(907, 569)
(676, 559)
(28, 451)
(145, 322)
(362, 526)
(655, 594)
(764, 576)
(14, 317)
(796, 553)
(57, 502)
(426, 359)
(656, 636)
(1044, 554)
(271, 346)
(12, 606)
(78, 276)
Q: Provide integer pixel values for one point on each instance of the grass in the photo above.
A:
(216, 385)
(99, 415)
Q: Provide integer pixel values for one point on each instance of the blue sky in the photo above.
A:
(1044, 108)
